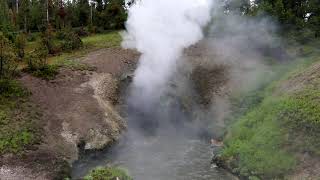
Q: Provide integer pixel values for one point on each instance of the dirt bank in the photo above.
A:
(77, 108)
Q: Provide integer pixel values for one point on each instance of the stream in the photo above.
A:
(156, 158)
(149, 150)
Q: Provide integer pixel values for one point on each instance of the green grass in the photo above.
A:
(108, 40)
(109, 173)
(262, 142)
(269, 130)
(18, 129)
(90, 43)
(255, 143)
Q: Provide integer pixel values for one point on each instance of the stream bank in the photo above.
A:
(77, 107)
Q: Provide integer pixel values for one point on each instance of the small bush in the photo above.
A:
(48, 41)
(31, 37)
(81, 32)
(11, 88)
(47, 72)
(69, 40)
(107, 174)
(8, 59)
(92, 29)
(72, 42)
(38, 65)
(20, 43)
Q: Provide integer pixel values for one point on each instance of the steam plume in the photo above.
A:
(160, 30)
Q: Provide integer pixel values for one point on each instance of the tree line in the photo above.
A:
(34, 15)
(62, 22)
(301, 17)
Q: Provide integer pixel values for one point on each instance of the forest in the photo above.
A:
(24, 21)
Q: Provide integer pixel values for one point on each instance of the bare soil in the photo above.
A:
(78, 108)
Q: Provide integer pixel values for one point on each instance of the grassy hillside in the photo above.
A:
(268, 139)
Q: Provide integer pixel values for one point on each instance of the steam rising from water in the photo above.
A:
(160, 30)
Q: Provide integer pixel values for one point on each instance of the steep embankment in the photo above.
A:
(278, 138)
(78, 110)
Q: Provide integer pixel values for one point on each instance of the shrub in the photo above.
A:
(69, 40)
(8, 58)
(81, 32)
(72, 42)
(47, 72)
(38, 66)
(48, 41)
(92, 29)
(20, 44)
(11, 88)
(32, 37)
(107, 174)
(37, 59)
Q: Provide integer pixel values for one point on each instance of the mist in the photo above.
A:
(160, 31)
(169, 124)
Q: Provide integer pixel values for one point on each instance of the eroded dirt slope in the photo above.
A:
(78, 108)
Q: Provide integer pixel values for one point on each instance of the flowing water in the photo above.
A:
(163, 142)
(163, 157)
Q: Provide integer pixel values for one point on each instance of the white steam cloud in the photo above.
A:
(161, 30)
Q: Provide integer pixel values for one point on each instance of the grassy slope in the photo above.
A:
(264, 141)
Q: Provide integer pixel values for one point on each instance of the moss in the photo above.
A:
(110, 173)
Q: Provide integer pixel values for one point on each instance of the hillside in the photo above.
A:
(278, 136)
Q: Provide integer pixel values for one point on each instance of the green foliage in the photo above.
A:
(47, 72)
(20, 44)
(298, 17)
(17, 127)
(4, 16)
(264, 140)
(255, 143)
(48, 41)
(11, 89)
(115, 14)
(38, 64)
(70, 40)
(111, 39)
(8, 58)
(301, 116)
(109, 173)
(37, 59)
